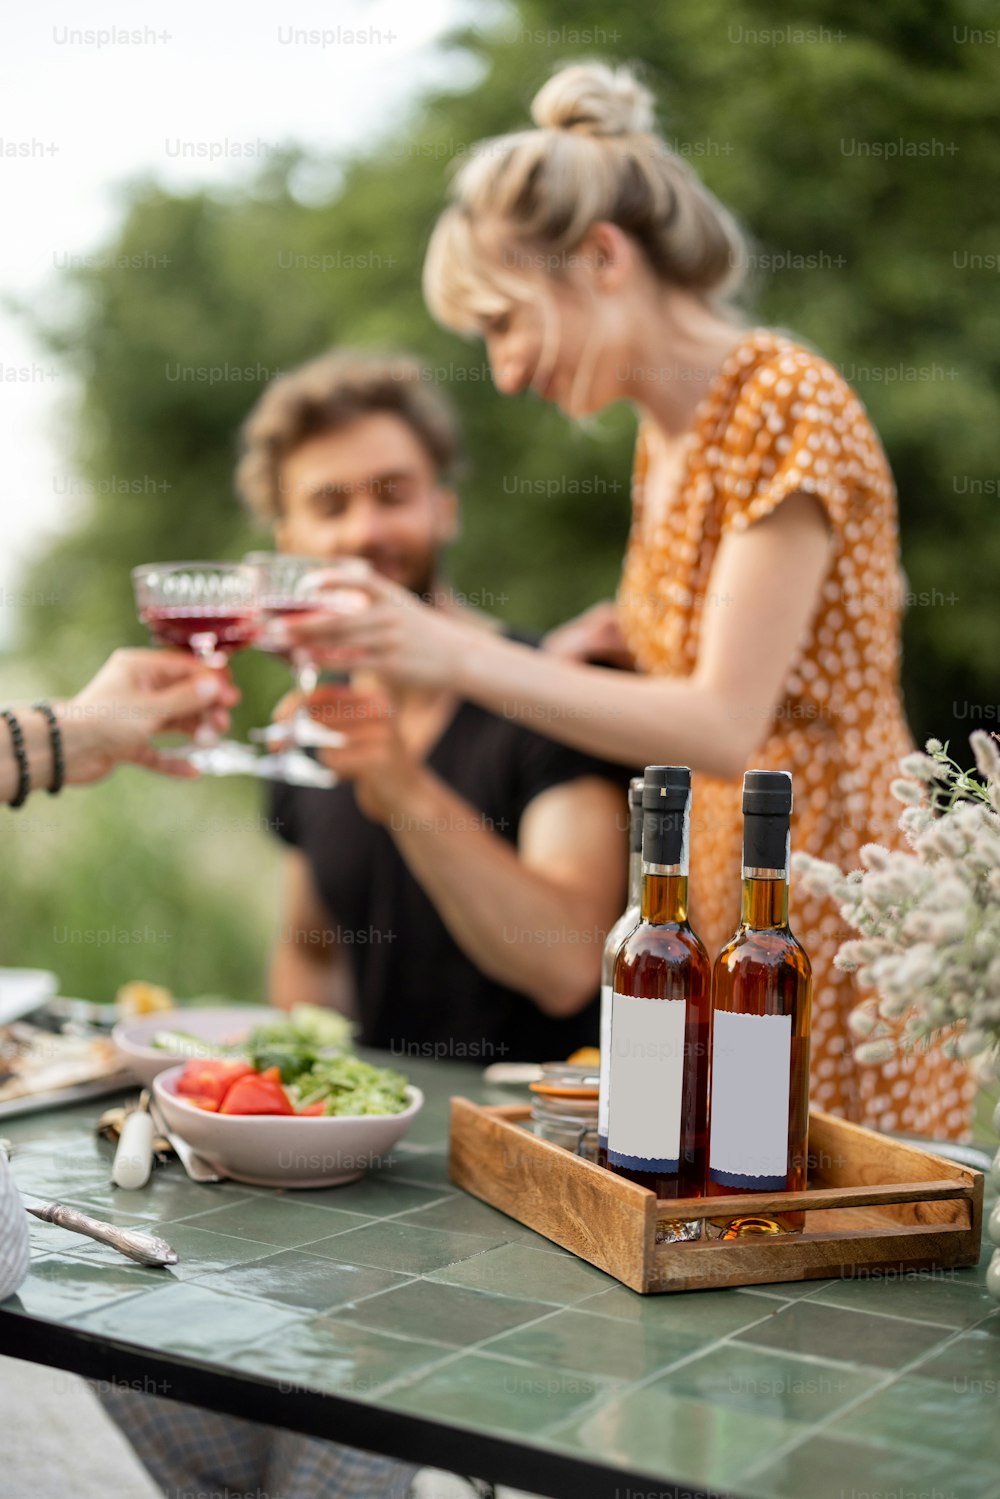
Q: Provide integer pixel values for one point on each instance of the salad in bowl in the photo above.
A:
(286, 1106)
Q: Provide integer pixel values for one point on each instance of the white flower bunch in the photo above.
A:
(929, 919)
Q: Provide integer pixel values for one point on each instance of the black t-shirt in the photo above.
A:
(418, 994)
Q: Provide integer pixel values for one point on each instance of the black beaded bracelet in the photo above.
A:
(58, 758)
(20, 754)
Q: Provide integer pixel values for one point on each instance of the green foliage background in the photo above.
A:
(883, 284)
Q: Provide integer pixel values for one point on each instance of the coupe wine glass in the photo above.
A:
(209, 609)
(289, 585)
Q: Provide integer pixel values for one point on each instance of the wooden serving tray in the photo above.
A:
(872, 1205)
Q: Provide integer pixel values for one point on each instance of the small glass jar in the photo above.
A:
(564, 1107)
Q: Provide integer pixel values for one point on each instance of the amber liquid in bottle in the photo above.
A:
(658, 1088)
(761, 986)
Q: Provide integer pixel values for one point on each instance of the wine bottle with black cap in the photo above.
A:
(658, 1077)
(627, 922)
(761, 983)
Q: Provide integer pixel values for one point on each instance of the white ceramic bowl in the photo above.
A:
(278, 1150)
(218, 1023)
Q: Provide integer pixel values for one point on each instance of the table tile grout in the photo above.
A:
(892, 1376)
(888, 1316)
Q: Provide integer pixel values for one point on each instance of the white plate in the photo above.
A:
(23, 990)
(115, 1082)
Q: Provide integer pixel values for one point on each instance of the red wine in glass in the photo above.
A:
(204, 632)
(210, 610)
(272, 608)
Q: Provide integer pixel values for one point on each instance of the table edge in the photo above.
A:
(376, 1428)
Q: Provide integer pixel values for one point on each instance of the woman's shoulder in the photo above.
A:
(778, 390)
(769, 363)
(788, 422)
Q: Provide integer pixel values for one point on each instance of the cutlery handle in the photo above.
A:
(145, 1249)
(197, 1168)
(134, 1157)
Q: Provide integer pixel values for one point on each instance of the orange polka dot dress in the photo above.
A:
(777, 420)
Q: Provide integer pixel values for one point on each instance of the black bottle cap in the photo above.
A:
(767, 810)
(767, 791)
(665, 785)
(666, 798)
(635, 815)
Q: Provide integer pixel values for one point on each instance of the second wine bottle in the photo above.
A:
(761, 990)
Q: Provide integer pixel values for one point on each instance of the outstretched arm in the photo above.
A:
(136, 695)
(761, 595)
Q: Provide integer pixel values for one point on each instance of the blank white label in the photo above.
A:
(645, 1082)
(751, 1078)
(605, 1044)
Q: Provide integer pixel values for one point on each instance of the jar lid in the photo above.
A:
(567, 1080)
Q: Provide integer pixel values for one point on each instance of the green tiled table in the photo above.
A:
(400, 1315)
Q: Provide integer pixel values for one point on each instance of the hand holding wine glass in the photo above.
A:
(136, 695)
(397, 636)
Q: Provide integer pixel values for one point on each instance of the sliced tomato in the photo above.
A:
(257, 1093)
(211, 1105)
(211, 1077)
(314, 1109)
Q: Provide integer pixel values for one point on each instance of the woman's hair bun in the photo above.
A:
(594, 99)
(596, 157)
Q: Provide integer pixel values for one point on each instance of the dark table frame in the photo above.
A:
(371, 1427)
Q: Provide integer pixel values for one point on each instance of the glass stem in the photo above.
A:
(206, 649)
(307, 680)
(306, 677)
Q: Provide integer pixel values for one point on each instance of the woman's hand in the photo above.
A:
(397, 636)
(136, 695)
(594, 635)
(373, 756)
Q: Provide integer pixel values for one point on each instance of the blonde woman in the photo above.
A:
(760, 593)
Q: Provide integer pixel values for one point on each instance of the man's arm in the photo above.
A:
(306, 965)
(533, 917)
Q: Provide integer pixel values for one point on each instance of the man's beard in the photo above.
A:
(426, 582)
(422, 581)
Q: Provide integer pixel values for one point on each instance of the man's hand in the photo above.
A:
(384, 772)
(594, 635)
(136, 695)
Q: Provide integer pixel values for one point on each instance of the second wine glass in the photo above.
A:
(290, 585)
